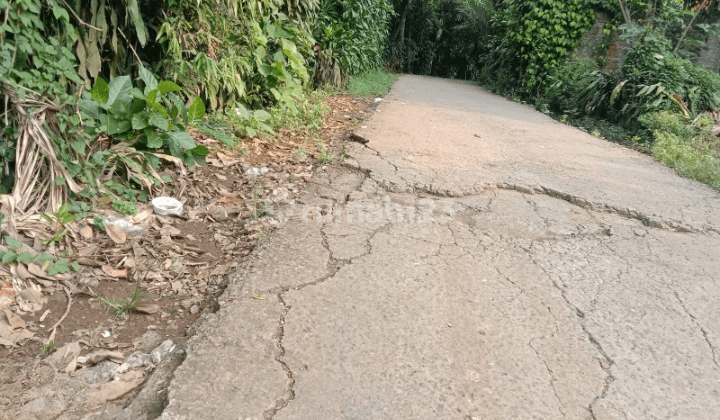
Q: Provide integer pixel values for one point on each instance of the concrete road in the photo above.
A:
(474, 260)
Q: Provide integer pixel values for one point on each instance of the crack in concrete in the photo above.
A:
(704, 332)
(552, 377)
(281, 403)
(606, 363)
(645, 219)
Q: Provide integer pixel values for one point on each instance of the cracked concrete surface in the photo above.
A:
(456, 269)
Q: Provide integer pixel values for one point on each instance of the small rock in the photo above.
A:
(47, 408)
(188, 303)
(147, 308)
(138, 360)
(161, 351)
(102, 372)
(218, 213)
(149, 341)
(194, 309)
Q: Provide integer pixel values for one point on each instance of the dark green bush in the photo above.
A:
(652, 79)
(350, 36)
(566, 86)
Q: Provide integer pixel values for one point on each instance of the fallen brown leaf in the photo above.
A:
(114, 273)
(116, 234)
(13, 319)
(86, 232)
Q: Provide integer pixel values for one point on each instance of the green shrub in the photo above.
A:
(705, 93)
(688, 147)
(566, 86)
(687, 160)
(531, 38)
(351, 37)
(226, 55)
(652, 80)
(152, 119)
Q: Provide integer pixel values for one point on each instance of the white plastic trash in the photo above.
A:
(167, 205)
(131, 229)
(256, 171)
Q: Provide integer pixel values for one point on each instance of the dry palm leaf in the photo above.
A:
(38, 171)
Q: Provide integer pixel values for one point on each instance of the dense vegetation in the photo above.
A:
(99, 94)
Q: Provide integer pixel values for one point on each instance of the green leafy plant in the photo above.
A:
(325, 155)
(258, 208)
(12, 255)
(533, 38)
(688, 146)
(62, 266)
(250, 123)
(152, 119)
(233, 52)
(125, 207)
(47, 348)
(123, 306)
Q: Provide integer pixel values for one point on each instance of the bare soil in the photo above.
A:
(181, 263)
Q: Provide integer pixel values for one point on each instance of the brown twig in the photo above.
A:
(82, 22)
(62, 318)
(131, 47)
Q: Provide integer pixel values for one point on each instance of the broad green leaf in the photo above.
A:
(152, 102)
(196, 109)
(175, 150)
(139, 121)
(26, 257)
(60, 267)
(181, 106)
(167, 86)
(158, 120)
(261, 115)
(89, 108)
(8, 257)
(138, 106)
(200, 151)
(101, 91)
(78, 146)
(132, 7)
(13, 243)
(181, 139)
(138, 94)
(148, 78)
(116, 126)
(154, 141)
(242, 112)
(120, 90)
(42, 258)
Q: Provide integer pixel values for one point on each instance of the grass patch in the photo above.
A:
(124, 305)
(375, 83)
(689, 148)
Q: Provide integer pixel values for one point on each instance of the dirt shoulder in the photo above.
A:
(100, 357)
